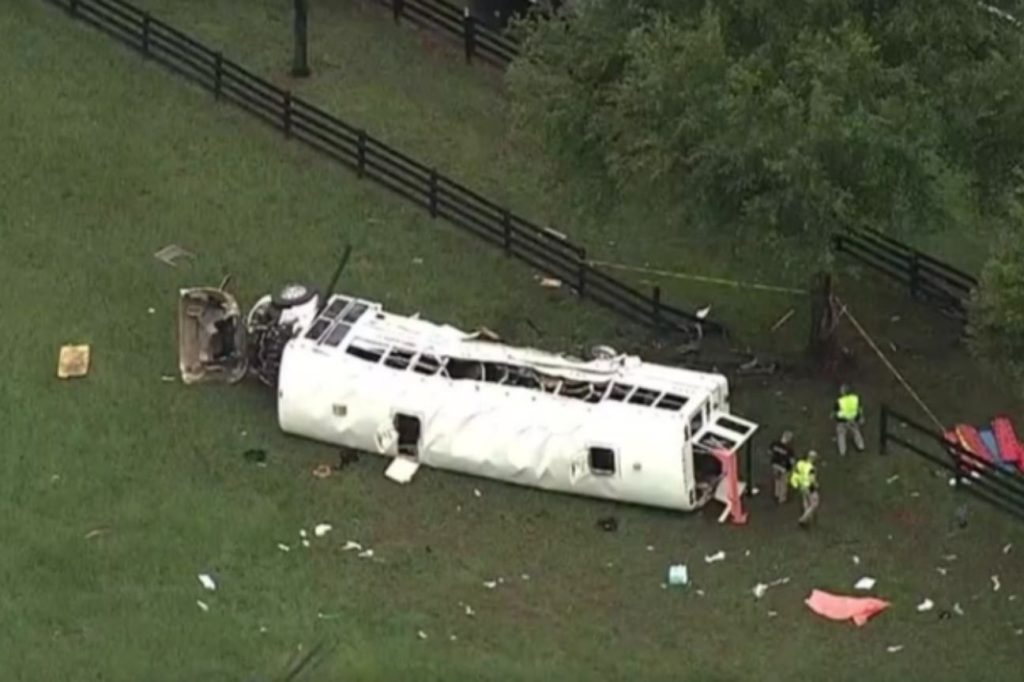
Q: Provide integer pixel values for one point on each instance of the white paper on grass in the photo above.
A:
(865, 583)
(926, 605)
(351, 545)
(402, 469)
(207, 582)
(322, 529)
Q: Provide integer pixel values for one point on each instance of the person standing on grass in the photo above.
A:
(849, 416)
(805, 479)
(782, 458)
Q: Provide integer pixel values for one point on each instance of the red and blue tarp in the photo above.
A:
(995, 444)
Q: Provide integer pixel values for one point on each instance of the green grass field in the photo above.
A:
(106, 159)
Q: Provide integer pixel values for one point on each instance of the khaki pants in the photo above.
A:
(842, 428)
(810, 501)
(780, 479)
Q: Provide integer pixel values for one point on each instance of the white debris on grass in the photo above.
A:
(283, 547)
(865, 583)
(995, 583)
(490, 584)
(700, 593)
(957, 609)
(207, 582)
(452, 637)
(678, 574)
(941, 570)
(926, 605)
(525, 576)
(302, 533)
(949, 557)
(856, 560)
(202, 605)
(477, 493)
(712, 558)
(761, 588)
(773, 614)
(171, 254)
(896, 648)
(351, 545)
(421, 634)
(322, 529)
(1007, 548)
(650, 548)
(892, 479)
(366, 554)
(469, 611)
(305, 543)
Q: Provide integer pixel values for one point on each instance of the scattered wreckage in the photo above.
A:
(349, 373)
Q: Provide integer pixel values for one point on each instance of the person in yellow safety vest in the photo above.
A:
(805, 479)
(849, 416)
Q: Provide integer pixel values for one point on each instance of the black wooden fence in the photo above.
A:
(477, 38)
(1003, 489)
(927, 278)
(543, 248)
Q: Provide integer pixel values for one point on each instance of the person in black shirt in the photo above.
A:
(782, 463)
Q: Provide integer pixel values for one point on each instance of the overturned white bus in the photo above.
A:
(349, 373)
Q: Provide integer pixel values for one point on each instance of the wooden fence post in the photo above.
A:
(146, 19)
(506, 224)
(915, 275)
(286, 118)
(396, 9)
(433, 193)
(469, 34)
(218, 74)
(656, 300)
(361, 153)
(883, 431)
(581, 274)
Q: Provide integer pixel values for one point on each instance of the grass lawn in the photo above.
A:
(106, 159)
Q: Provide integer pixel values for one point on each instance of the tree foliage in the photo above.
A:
(997, 311)
(781, 120)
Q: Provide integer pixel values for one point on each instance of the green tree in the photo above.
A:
(780, 121)
(997, 311)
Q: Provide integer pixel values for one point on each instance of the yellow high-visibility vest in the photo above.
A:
(849, 407)
(803, 476)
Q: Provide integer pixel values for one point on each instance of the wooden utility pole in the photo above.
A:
(300, 64)
(823, 345)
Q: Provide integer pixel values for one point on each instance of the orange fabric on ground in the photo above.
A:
(837, 607)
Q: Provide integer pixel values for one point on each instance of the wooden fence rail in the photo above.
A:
(1001, 488)
(545, 249)
(927, 278)
(478, 40)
